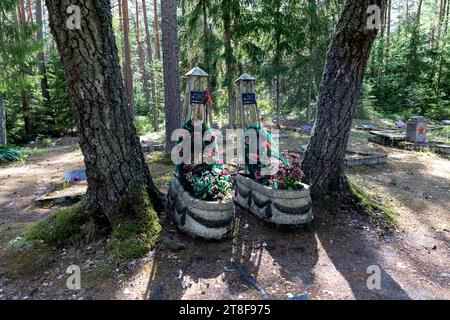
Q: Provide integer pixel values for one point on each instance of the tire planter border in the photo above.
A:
(197, 218)
(279, 207)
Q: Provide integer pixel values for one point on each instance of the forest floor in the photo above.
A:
(328, 262)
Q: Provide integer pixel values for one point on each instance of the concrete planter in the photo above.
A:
(205, 219)
(281, 207)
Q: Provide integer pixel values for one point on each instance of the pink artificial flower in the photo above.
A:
(297, 173)
(254, 157)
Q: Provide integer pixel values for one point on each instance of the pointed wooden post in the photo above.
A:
(195, 106)
(247, 112)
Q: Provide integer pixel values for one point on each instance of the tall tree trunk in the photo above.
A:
(128, 71)
(229, 61)
(29, 12)
(388, 27)
(156, 27)
(121, 49)
(23, 92)
(407, 11)
(171, 70)
(145, 84)
(152, 74)
(207, 52)
(3, 139)
(41, 57)
(433, 25)
(183, 7)
(309, 97)
(119, 181)
(278, 64)
(339, 96)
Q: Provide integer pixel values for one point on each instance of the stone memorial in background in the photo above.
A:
(416, 130)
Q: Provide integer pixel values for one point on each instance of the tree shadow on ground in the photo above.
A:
(278, 260)
(351, 252)
(198, 268)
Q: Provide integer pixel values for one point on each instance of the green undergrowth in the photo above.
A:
(134, 235)
(60, 228)
(381, 213)
(160, 158)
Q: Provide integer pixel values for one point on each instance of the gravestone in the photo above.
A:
(247, 112)
(195, 98)
(75, 175)
(416, 130)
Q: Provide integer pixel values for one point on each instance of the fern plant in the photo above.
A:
(9, 155)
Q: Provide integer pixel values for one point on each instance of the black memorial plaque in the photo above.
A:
(248, 98)
(198, 97)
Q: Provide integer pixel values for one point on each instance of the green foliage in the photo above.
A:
(137, 230)
(9, 155)
(212, 184)
(143, 125)
(47, 142)
(61, 227)
(410, 77)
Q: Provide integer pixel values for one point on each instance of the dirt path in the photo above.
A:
(329, 262)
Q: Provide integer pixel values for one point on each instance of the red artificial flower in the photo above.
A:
(258, 175)
(224, 173)
(267, 144)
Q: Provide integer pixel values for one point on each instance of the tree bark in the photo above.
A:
(171, 70)
(115, 164)
(309, 97)
(23, 92)
(40, 56)
(29, 12)
(339, 96)
(278, 64)
(388, 27)
(3, 139)
(141, 54)
(229, 61)
(156, 26)
(128, 71)
(121, 50)
(152, 74)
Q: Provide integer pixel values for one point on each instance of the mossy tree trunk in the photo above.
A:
(115, 164)
(339, 95)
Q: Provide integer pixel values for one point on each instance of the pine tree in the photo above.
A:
(171, 70)
(339, 97)
(119, 181)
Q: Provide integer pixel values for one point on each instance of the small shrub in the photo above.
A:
(47, 143)
(9, 155)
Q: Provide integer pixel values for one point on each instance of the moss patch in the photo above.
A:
(160, 158)
(26, 258)
(59, 228)
(379, 212)
(133, 235)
